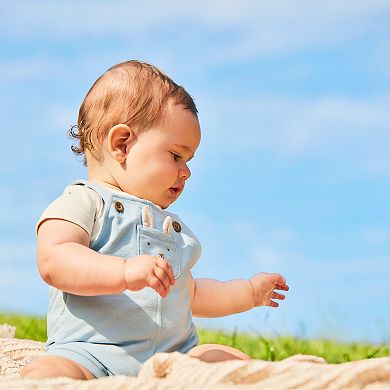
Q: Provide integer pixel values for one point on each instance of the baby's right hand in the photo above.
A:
(149, 271)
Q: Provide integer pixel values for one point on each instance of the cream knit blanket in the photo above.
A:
(178, 371)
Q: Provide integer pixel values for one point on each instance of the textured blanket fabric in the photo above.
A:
(178, 371)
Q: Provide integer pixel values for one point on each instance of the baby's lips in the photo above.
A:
(179, 187)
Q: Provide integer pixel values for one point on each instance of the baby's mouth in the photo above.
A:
(176, 190)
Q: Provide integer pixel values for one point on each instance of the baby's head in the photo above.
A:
(137, 130)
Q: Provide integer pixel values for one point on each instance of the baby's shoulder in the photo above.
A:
(78, 204)
(84, 199)
(82, 194)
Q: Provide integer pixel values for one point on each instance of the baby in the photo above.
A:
(118, 264)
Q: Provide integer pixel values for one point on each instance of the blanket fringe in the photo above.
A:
(179, 371)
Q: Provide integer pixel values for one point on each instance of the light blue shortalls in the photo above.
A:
(115, 334)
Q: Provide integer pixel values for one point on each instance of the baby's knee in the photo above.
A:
(217, 352)
(53, 366)
(32, 368)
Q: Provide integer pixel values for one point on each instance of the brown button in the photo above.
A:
(119, 207)
(176, 226)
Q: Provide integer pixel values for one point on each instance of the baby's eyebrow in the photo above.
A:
(183, 147)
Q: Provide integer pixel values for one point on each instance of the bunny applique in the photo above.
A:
(158, 243)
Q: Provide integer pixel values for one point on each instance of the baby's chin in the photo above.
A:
(162, 204)
(165, 199)
(165, 205)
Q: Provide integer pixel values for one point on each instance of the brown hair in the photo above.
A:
(133, 93)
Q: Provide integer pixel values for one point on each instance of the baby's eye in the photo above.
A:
(176, 157)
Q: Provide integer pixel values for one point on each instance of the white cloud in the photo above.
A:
(259, 28)
(325, 294)
(376, 236)
(35, 68)
(61, 117)
(335, 127)
(269, 248)
(268, 257)
(14, 253)
(284, 250)
(22, 291)
(11, 280)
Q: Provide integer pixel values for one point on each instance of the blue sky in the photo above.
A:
(293, 172)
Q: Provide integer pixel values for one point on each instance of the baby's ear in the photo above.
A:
(119, 138)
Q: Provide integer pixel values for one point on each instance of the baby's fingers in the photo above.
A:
(156, 284)
(276, 295)
(164, 265)
(163, 278)
(273, 304)
(283, 287)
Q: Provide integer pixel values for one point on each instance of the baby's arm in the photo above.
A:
(66, 262)
(212, 298)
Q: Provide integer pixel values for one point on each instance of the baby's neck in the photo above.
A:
(99, 173)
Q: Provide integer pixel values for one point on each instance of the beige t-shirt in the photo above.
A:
(80, 205)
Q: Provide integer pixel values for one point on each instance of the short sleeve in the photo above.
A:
(78, 204)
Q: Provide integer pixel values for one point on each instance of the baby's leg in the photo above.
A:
(217, 353)
(52, 366)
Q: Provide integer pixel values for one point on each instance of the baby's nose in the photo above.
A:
(185, 173)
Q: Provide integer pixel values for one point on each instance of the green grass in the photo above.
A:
(272, 349)
(279, 348)
(27, 327)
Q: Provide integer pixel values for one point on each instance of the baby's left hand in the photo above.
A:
(264, 284)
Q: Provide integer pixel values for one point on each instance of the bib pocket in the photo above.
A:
(155, 243)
